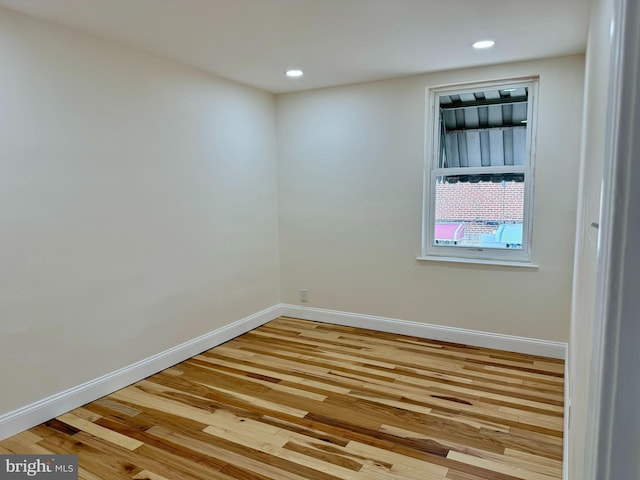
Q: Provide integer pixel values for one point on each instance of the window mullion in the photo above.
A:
(481, 170)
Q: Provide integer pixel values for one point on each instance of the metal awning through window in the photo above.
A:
(484, 129)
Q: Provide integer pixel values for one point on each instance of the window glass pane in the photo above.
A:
(483, 128)
(482, 211)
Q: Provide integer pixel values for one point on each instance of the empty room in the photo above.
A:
(318, 239)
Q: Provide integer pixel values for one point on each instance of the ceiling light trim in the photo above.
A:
(482, 44)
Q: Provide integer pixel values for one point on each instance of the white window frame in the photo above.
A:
(498, 256)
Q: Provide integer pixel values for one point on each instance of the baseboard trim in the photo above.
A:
(532, 346)
(31, 415)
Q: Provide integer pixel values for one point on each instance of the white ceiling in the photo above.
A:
(334, 41)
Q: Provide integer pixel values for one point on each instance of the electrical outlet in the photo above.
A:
(304, 295)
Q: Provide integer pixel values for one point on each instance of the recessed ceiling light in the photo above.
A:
(294, 72)
(484, 44)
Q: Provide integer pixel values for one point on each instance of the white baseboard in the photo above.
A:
(50, 407)
(532, 346)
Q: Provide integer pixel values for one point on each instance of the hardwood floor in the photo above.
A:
(296, 400)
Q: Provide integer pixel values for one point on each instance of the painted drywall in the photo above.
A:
(139, 206)
(612, 423)
(351, 183)
(582, 389)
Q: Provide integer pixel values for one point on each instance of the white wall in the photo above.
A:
(582, 390)
(138, 211)
(604, 339)
(618, 419)
(350, 186)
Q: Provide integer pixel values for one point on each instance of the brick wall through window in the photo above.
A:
(481, 206)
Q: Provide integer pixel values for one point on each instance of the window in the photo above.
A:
(479, 171)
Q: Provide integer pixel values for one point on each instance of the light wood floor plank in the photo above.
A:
(301, 400)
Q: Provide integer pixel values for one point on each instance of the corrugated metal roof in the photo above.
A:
(484, 129)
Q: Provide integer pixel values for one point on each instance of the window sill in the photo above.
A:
(478, 261)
